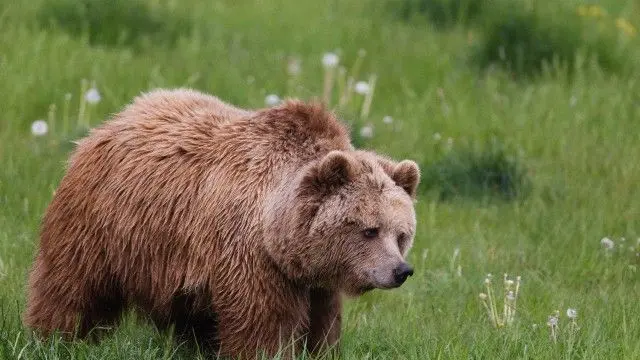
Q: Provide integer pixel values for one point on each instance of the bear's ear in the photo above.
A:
(407, 175)
(337, 168)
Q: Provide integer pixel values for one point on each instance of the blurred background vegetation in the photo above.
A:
(522, 114)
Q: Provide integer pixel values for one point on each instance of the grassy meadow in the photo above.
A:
(524, 116)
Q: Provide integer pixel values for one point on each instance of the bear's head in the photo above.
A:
(346, 222)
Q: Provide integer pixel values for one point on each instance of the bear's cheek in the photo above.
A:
(359, 273)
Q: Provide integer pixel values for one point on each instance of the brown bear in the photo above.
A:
(238, 229)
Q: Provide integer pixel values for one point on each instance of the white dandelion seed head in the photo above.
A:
(272, 100)
(552, 321)
(388, 120)
(366, 132)
(573, 101)
(330, 60)
(92, 96)
(511, 296)
(39, 128)
(534, 326)
(294, 67)
(362, 87)
(483, 296)
(572, 313)
(437, 136)
(607, 243)
(509, 283)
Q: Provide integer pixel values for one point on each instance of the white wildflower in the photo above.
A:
(572, 313)
(509, 283)
(366, 132)
(272, 100)
(362, 87)
(553, 321)
(92, 96)
(330, 60)
(39, 128)
(437, 136)
(511, 296)
(387, 119)
(483, 296)
(607, 243)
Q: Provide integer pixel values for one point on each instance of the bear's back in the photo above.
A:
(182, 173)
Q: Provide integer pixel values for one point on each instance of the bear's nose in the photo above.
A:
(401, 273)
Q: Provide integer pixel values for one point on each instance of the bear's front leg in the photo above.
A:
(268, 323)
(325, 315)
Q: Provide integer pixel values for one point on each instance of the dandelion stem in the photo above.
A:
(328, 84)
(492, 303)
(505, 299)
(366, 105)
(342, 73)
(486, 306)
(355, 70)
(81, 111)
(52, 117)
(346, 95)
(515, 296)
(65, 113)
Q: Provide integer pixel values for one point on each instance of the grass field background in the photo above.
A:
(526, 166)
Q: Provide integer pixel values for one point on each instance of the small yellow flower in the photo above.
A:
(626, 26)
(583, 10)
(596, 11)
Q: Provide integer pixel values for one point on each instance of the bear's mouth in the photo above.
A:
(366, 288)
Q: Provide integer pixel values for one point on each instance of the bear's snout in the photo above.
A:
(393, 276)
(401, 273)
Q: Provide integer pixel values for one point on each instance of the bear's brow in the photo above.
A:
(356, 222)
(375, 182)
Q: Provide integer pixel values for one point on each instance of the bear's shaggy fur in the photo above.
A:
(239, 227)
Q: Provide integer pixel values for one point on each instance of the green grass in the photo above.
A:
(576, 136)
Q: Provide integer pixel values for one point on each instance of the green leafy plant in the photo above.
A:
(488, 172)
(114, 22)
(525, 40)
(441, 13)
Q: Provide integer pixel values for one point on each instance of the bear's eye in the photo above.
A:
(370, 233)
(402, 239)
